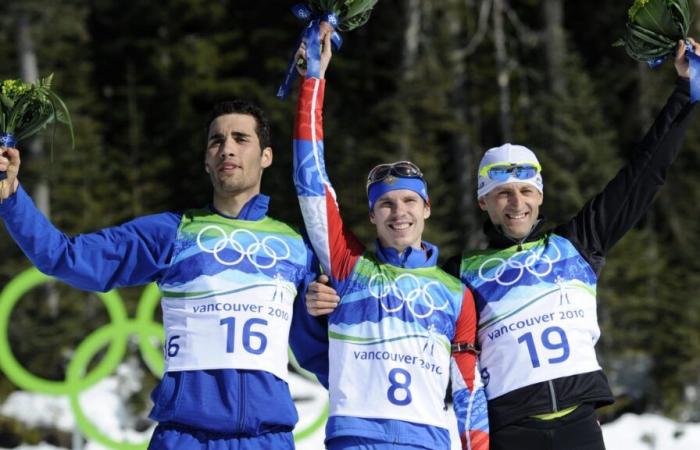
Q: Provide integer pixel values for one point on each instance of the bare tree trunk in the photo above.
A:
(503, 71)
(408, 63)
(134, 135)
(41, 194)
(464, 152)
(555, 41)
(30, 74)
(555, 44)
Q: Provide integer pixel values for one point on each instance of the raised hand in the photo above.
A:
(9, 163)
(681, 61)
(326, 31)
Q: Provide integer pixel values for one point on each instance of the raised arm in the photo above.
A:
(627, 197)
(336, 247)
(134, 253)
(468, 395)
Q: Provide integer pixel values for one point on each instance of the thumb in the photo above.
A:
(323, 279)
(680, 52)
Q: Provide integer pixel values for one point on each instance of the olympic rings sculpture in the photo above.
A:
(523, 261)
(251, 251)
(380, 287)
(115, 336)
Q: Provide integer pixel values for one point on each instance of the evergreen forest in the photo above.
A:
(434, 81)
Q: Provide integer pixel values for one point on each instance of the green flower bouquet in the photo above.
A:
(27, 108)
(342, 15)
(654, 28)
(351, 13)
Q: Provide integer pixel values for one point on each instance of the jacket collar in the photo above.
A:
(254, 209)
(497, 239)
(410, 258)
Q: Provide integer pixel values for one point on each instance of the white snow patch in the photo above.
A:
(103, 404)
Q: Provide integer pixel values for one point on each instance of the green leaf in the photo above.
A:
(6, 101)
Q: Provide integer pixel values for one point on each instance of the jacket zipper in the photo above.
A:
(553, 396)
(241, 403)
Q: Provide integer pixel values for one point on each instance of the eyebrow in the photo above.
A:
(234, 134)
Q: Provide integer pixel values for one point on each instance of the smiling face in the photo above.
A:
(234, 159)
(399, 216)
(513, 206)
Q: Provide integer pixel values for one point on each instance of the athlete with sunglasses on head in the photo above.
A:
(404, 327)
(535, 286)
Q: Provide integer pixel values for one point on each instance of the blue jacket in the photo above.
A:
(228, 401)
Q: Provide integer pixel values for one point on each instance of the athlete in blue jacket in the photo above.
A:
(229, 276)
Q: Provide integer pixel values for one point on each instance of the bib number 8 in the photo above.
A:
(398, 393)
(560, 343)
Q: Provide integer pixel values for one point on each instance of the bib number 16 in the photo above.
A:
(253, 341)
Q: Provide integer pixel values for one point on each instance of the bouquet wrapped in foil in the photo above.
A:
(27, 108)
(342, 15)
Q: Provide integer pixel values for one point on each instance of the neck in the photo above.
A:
(232, 204)
(401, 249)
(521, 239)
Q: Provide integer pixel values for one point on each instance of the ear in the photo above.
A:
(266, 157)
(541, 199)
(482, 203)
(371, 217)
(206, 168)
(426, 212)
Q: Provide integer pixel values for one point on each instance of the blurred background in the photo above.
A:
(437, 82)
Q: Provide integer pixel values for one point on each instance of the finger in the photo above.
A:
(320, 312)
(696, 50)
(323, 290)
(680, 52)
(323, 279)
(325, 304)
(327, 51)
(328, 297)
(12, 153)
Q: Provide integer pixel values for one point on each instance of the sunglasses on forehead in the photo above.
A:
(401, 169)
(501, 172)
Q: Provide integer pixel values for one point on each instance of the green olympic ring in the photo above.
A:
(116, 335)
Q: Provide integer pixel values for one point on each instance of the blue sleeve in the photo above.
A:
(308, 337)
(134, 253)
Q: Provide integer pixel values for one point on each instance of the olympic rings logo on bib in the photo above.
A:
(272, 247)
(380, 287)
(517, 263)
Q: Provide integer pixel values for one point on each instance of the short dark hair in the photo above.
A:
(262, 125)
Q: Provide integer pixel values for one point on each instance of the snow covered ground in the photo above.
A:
(102, 405)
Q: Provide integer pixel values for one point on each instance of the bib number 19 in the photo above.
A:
(553, 338)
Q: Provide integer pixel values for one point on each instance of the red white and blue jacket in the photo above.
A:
(390, 338)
